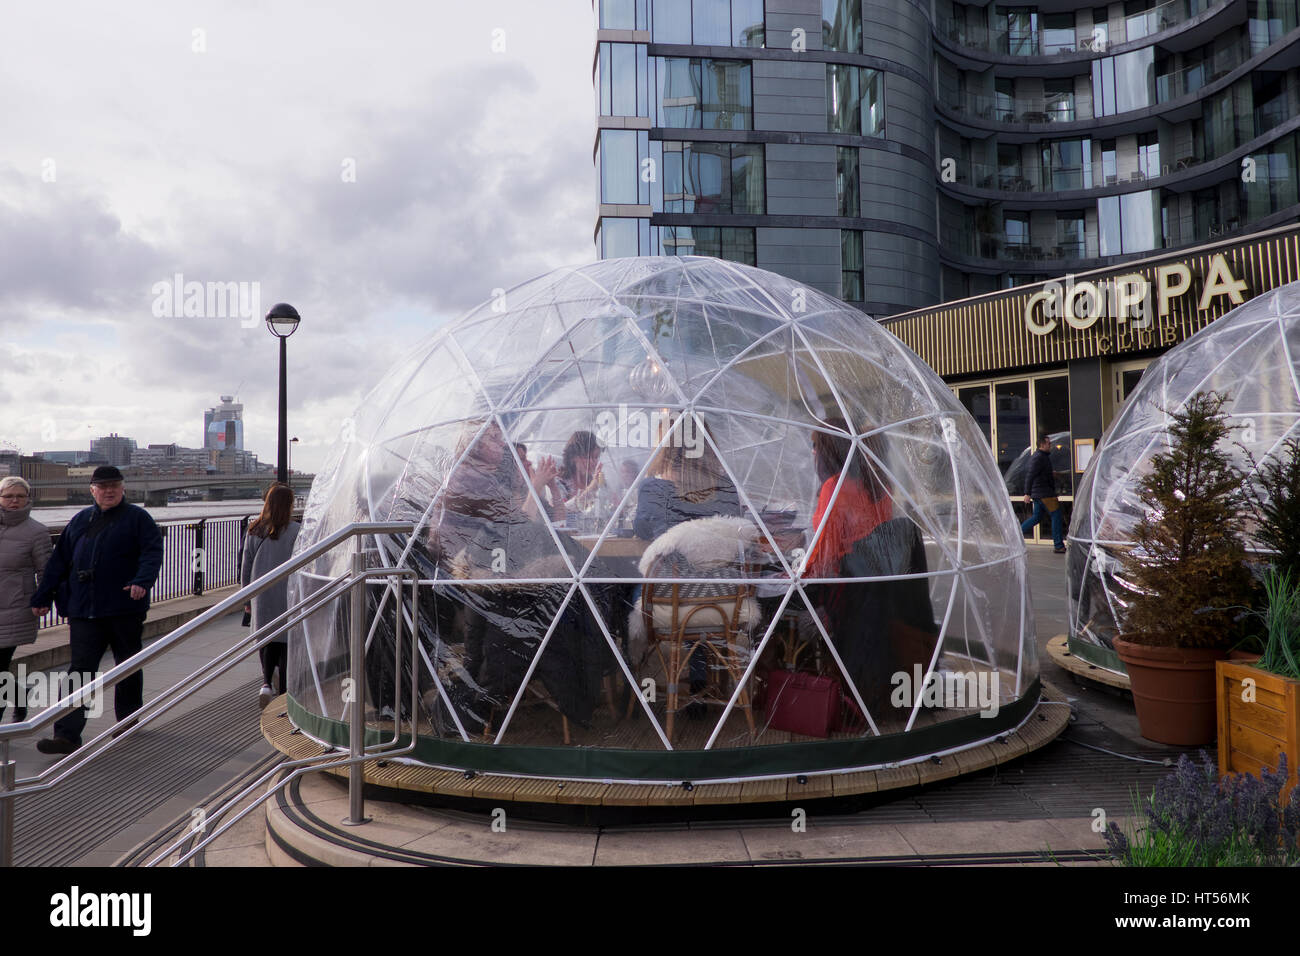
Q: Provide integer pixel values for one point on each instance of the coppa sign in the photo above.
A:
(1127, 297)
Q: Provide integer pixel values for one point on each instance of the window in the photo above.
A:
(735, 245)
(619, 170)
(1005, 93)
(1058, 33)
(672, 21)
(1068, 164)
(1100, 29)
(621, 79)
(855, 100)
(726, 178)
(747, 26)
(1070, 235)
(1149, 154)
(727, 100)
(1130, 223)
(1125, 82)
(1016, 227)
(846, 181)
(709, 22)
(623, 14)
(1109, 163)
(1022, 30)
(622, 237)
(851, 265)
(842, 25)
(703, 94)
(1009, 172)
(1058, 99)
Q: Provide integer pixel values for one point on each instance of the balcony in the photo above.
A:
(1001, 39)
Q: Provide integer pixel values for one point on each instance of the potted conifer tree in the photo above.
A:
(1188, 568)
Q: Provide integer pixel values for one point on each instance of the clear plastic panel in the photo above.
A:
(618, 475)
(1249, 356)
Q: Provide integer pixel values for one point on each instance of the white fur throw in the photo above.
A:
(707, 546)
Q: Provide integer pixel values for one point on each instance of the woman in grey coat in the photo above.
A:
(24, 549)
(269, 544)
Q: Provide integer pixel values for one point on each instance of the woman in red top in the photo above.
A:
(862, 504)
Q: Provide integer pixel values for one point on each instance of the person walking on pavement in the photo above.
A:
(100, 574)
(1040, 488)
(268, 545)
(24, 549)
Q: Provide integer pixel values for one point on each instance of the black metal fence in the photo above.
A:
(198, 555)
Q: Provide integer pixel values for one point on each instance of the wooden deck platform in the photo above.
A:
(1059, 651)
(1043, 726)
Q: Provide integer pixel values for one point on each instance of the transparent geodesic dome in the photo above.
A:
(774, 542)
(1250, 355)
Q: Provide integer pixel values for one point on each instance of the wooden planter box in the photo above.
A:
(1254, 734)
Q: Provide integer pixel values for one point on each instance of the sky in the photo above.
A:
(382, 167)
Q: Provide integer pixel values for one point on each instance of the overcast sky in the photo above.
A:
(380, 166)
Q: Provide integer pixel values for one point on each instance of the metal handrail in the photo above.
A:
(358, 754)
(10, 787)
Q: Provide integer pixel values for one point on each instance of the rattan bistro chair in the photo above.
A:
(712, 620)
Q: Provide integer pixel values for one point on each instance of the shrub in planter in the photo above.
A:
(1188, 567)
(1196, 818)
(1259, 702)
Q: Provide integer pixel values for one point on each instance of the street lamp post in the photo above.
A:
(283, 321)
(292, 441)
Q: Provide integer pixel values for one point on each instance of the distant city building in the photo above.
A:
(38, 469)
(234, 461)
(170, 459)
(66, 457)
(223, 426)
(8, 462)
(113, 449)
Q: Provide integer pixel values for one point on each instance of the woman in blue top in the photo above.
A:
(685, 482)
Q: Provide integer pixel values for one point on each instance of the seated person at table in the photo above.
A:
(878, 627)
(574, 487)
(863, 501)
(488, 517)
(683, 483)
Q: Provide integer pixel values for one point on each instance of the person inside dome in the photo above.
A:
(578, 481)
(683, 482)
(879, 627)
(863, 502)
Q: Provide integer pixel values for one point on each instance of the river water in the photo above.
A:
(190, 510)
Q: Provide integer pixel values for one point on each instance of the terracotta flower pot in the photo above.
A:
(1173, 691)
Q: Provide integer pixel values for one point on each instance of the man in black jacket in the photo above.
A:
(1040, 487)
(100, 574)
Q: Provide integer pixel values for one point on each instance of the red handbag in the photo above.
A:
(802, 703)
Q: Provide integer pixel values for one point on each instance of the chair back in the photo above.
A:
(677, 609)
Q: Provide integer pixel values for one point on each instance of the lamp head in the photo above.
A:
(282, 320)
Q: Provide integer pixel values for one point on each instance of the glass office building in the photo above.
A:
(898, 154)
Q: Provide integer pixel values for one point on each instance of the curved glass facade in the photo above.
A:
(968, 149)
(1163, 127)
(711, 104)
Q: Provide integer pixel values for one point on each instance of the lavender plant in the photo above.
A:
(1194, 818)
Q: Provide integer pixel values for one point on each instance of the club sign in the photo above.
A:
(1132, 298)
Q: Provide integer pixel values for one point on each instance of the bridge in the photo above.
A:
(153, 490)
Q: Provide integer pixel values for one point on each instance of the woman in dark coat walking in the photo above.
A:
(24, 549)
(270, 544)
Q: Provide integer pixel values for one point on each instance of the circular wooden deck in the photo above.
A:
(1059, 651)
(1048, 720)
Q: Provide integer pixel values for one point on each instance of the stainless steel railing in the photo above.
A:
(353, 583)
